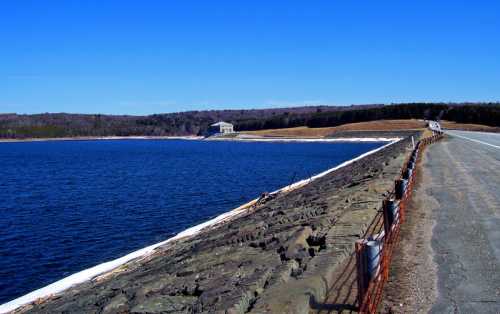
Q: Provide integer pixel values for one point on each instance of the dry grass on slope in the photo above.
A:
(468, 127)
(379, 125)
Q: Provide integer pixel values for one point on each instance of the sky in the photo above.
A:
(143, 57)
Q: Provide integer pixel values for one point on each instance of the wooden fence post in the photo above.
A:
(361, 271)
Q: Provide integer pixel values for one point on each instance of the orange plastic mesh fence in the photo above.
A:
(370, 293)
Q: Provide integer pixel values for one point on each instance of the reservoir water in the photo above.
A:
(69, 205)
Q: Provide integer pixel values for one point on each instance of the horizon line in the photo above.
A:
(494, 102)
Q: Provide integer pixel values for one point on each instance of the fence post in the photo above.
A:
(408, 171)
(400, 188)
(389, 211)
(373, 250)
(361, 271)
(413, 157)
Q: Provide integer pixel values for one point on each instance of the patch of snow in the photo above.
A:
(282, 139)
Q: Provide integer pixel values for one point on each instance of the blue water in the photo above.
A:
(66, 206)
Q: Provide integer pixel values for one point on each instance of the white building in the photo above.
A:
(221, 128)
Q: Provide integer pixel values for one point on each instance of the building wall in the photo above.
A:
(220, 129)
(227, 129)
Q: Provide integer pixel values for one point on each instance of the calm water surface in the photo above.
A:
(66, 206)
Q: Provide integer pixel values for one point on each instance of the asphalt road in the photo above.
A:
(465, 181)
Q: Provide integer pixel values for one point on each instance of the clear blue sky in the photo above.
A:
(141, 57)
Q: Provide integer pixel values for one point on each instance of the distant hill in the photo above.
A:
(196, 122)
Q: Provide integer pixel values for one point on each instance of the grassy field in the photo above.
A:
(468, 127)
(379, 125)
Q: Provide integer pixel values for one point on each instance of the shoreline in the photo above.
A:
(201, 138)
(310, 140)
(108, 267)
(99, 138)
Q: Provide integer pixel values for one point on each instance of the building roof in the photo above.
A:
(221, 123)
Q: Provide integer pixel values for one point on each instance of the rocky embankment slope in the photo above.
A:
(273, 259)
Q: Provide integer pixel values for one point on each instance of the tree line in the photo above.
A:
(197, 122)
(484, 113)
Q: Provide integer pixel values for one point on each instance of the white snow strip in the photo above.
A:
(97, 270)
(346, 139)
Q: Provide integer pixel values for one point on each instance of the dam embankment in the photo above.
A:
(272, 259)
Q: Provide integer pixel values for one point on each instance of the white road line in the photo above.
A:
(474, 140)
